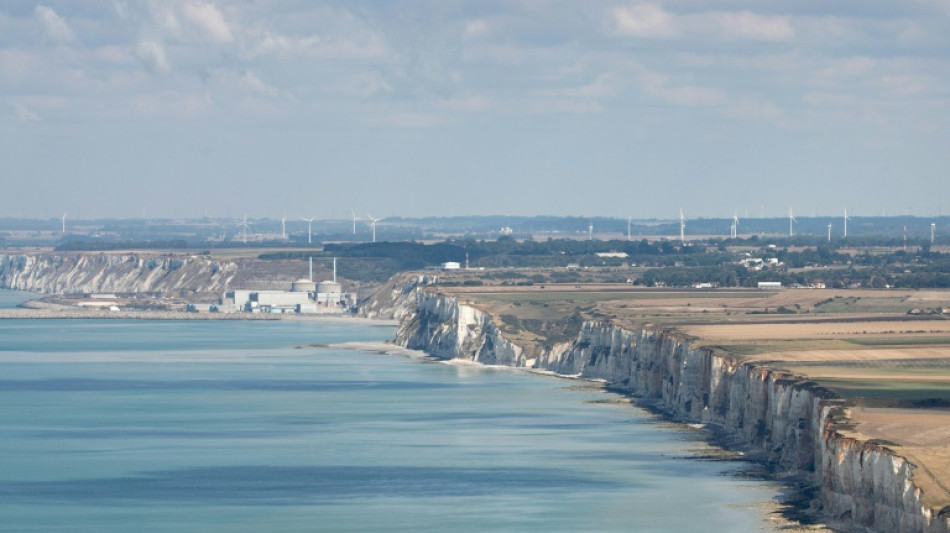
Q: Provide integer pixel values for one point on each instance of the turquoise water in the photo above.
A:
(229, 426)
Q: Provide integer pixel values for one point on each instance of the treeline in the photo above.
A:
(670, 263)
(931, 276)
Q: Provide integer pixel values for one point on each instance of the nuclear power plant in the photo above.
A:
(305, 296)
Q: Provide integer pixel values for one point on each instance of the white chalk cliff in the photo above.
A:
(91, 273)
(785, 419)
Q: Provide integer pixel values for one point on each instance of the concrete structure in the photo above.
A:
(102, 296)
(279, 298)
(201, 308)
(329, 293)
(237, 297)
(303, 285)
(305, 296)
(326, 287)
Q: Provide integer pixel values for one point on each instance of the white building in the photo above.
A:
(279, 298)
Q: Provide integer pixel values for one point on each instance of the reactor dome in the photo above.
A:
(303, 285)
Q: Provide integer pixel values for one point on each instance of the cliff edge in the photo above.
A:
(786, 420)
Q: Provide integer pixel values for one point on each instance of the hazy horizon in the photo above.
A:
(187, 108)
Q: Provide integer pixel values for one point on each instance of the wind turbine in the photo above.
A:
(283, 226)
(829, 232)
(309, 222)
(354, 221)
(791, 220)
(64, 222)
(905, 234)
(933, 232)
(682, 227)
(244, 227)
(628, 228)
(846, 219)
(590, 230)
(372, 225)
(735, 224)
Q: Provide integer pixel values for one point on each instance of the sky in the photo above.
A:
(182, 108)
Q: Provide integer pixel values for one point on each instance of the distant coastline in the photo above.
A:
(88, 314)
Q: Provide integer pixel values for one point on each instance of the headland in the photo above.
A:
(844, 393)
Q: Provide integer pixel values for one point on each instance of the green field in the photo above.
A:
(877, 304)
(901, 341)
(586, 297)
(888, 389)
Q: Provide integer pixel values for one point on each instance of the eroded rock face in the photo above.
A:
(779, 416)
(394, 300)
(124, 273)
(871, 485)
(444, 328)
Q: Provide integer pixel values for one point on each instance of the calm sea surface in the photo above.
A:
(10, 299)
(120, 425)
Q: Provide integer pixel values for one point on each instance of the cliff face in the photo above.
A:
(395, 299)
(446, 329)
(76, 273)
(871, 485)
(785, 419)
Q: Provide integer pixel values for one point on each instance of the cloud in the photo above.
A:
(186, 20)
(207, 18)
(829, 99)
(412, 120)
(25, 114)
(247, 82)
(845, 70)
(363, 45)
(466, 103)
(657, 85)
(164, 17)
(906, 84)
(252, 82)
(748, 25)
(651, 21)
(152, 55)
(643, 20)
(176, 103)
(56, 28)
(474, 28)
(754, 109)
(566, 106)
(782, 62)
(856, 66)
(365, 84)
(602, 86)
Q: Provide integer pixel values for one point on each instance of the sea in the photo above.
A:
(153, 425)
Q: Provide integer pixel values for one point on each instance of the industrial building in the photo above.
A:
(304, 296)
